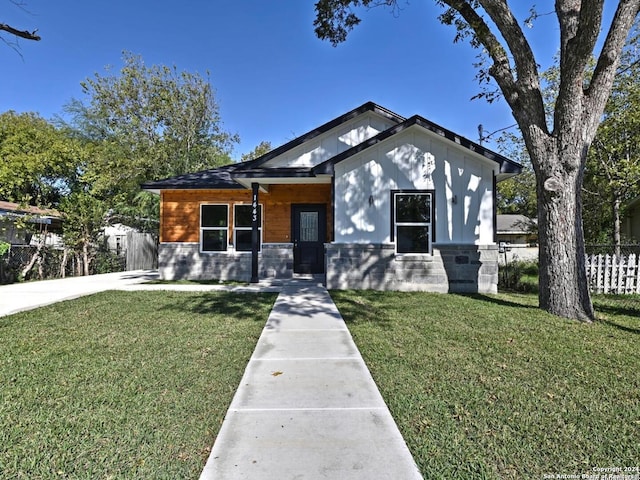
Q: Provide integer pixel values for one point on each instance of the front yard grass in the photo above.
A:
(492, 387)
(122, 384)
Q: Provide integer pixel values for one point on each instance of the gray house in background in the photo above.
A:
(19, 223)
(368, 200)
(631, 222)
(516, 229)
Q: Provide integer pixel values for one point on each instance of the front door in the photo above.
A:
(308, 231)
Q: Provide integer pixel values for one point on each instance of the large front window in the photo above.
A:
(242, 227)
(214, 228)
(413, 221)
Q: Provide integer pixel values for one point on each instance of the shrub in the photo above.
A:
(519, 276)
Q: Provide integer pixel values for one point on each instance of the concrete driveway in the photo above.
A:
(19, 297)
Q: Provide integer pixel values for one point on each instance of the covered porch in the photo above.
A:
(274, 227)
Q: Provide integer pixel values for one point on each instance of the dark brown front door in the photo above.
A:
(309, 227)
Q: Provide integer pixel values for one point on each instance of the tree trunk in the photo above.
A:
(564, 290)
(85, 258)
(616, 225)
(78, 265)
(40, 267)
(32, 261)
(63, 263)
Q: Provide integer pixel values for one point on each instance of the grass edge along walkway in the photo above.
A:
(122, 384)
(493, 387)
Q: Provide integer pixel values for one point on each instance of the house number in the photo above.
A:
(254, 206)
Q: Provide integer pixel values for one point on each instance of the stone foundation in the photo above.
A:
(451, 268)
(184, 261)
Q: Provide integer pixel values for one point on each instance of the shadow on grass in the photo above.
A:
(620, 327)
(618, 306)
(244, 305)
(362, 306)
(503, 302)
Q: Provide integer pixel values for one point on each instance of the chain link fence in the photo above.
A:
(51, 263)
(602, 249)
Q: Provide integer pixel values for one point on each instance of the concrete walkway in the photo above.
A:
(19, 297)
(307, 407)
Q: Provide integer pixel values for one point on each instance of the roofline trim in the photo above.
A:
(310, 135)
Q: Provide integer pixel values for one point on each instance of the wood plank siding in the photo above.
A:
(180, 210)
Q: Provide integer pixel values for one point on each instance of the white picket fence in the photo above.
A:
(614, 274)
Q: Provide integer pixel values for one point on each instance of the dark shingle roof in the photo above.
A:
(215, 178)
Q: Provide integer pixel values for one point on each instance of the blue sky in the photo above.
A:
(274, 79)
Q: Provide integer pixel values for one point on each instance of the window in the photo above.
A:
(242, 226)
(412, 220)
(214, 228)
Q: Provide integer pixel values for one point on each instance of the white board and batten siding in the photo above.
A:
(332, 142)
(415, 160)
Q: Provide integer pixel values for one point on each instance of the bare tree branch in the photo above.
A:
(20, 33)
(605, 70)
(527, 78)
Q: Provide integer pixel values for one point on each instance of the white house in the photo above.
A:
(369, 200)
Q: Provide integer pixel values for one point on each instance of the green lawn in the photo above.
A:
(122, 384)
(492, 387)
(136, 384)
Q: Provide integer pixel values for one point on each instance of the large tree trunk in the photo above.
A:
(564, 289)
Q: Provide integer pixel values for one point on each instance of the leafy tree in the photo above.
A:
(147, 123)
(558, 151)
(517, 195)
(262, 148)
(84, 217)
(38, 162)
(612, 175)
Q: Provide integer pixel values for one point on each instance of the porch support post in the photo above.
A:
(255, 234)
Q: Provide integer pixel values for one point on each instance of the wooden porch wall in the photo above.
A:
(180, 210)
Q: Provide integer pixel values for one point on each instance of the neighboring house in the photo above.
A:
(24, 225)
(115, 237)
(370, 200)
(631, 225)
(516, 229)
(518, 238)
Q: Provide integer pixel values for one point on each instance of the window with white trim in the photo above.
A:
(243, 225)
(412, 220)
(214, 228)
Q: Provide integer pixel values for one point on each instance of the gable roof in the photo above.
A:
(507, 223)
(356, 112)
(507, 166)
(238, 175)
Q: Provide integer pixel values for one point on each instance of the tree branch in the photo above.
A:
(527, 78)
(525, 83)
(579, 26)
(20, 33)
(501, 68)
(621, 24)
